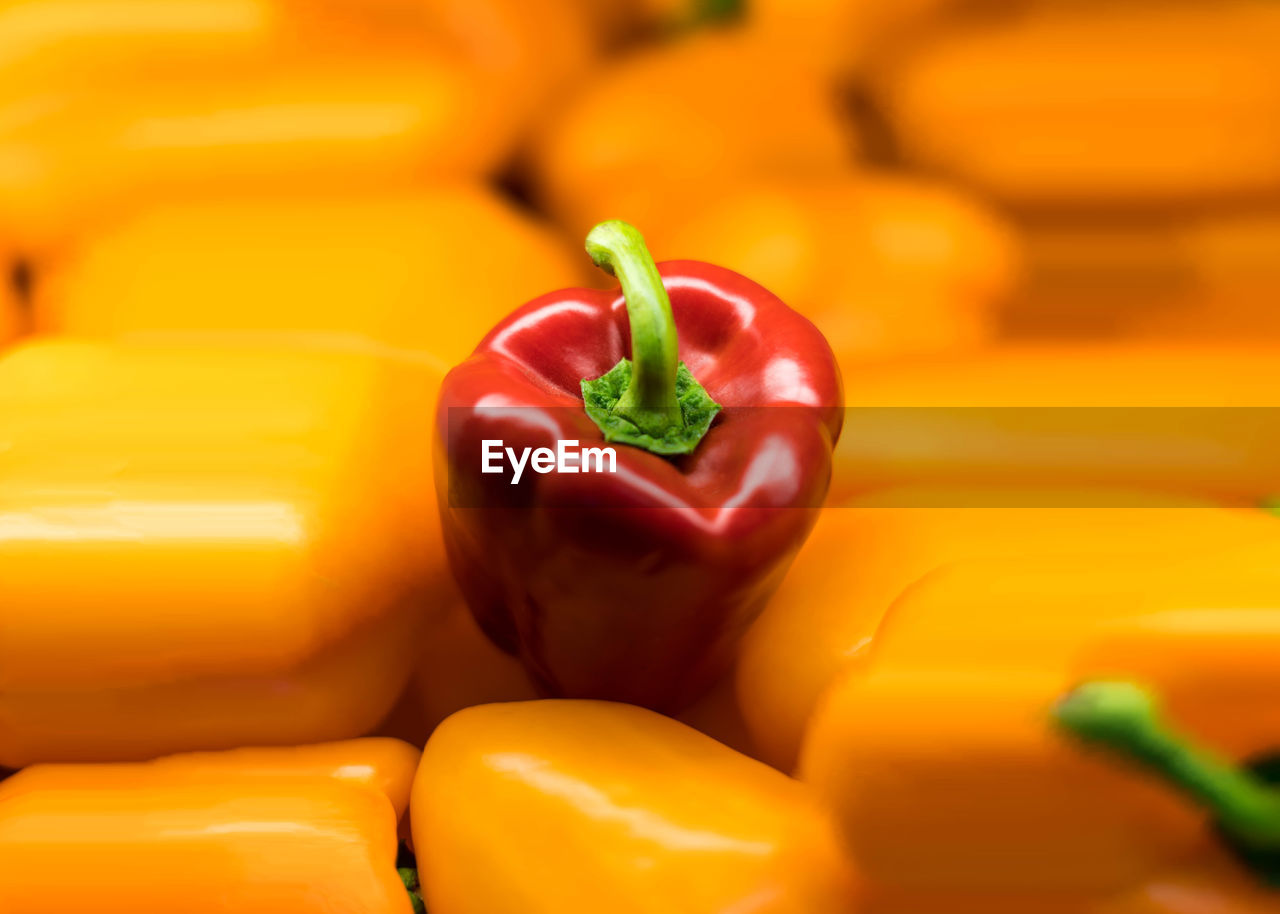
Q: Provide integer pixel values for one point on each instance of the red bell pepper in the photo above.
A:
(635, 585)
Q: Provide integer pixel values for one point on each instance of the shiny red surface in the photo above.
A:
(636, 586)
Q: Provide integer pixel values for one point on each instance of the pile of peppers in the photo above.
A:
(950, 703)
(336, 580)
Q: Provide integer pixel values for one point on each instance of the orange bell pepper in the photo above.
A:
(524, 54)
(250, 831)
(1193, 276)
(1207, 881)
(1177, 103)
(392, 268)
(884, 266)
(12, 304)
(97, 46)
(554, 806)
(999, 418)
(9, 329)
(932, 624)
(392, 122)
(958, 782)
(617, 21)
(48, 42)
(938, 753)
(662, 131)
(623, 22)
(206, 546)
(861, 557)
(843, 36)
(458, 667)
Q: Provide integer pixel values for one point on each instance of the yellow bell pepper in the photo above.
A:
(398, 120)
(1176, 104)
(861, 557)
(555, 806)
(254, 831)
(412, 271)
(206, 546)
(953, 777)
(664, 130)
(1067, 415)
(884, 266)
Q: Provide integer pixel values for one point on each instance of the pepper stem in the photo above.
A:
(649, 402)
(1125, 719)
(407, 868)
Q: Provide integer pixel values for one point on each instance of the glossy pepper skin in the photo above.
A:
(941, 758)
(554, 806)
(863, 555)
(634, 586)
(1068, 414)
(205, 546)
(389, 268)
(260, 831)
(884, 266)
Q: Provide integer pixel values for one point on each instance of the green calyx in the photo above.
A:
(407, 867)
(652, 400)
(1124, 719)
(696, 410)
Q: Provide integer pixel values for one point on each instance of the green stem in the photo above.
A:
(407, 867)
(410, 879)
(715, 11)
(1125, 719)
(649, 401)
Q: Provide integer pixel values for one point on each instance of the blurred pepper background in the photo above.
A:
(923, 176)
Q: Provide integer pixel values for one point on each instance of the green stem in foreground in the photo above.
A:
(652, 400)
(1125, 719)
